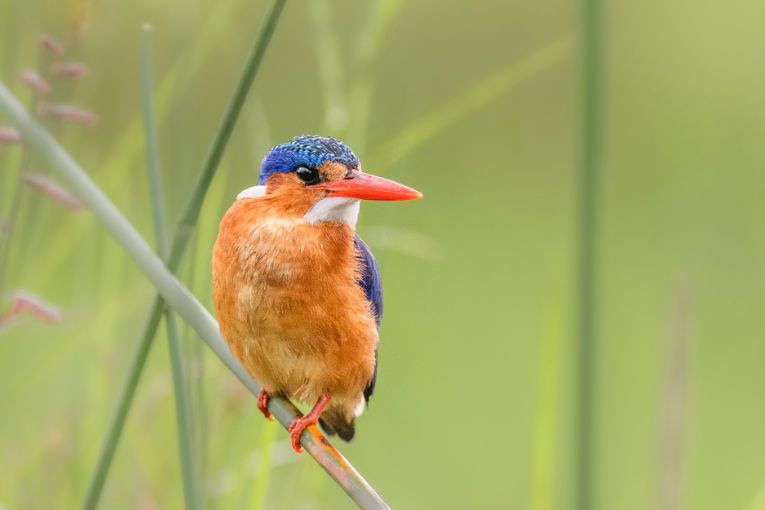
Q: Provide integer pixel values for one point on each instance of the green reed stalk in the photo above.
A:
(6, 238)
(547, 398)
(330, 61)
(179, 297)
(262, 476)
(152, 147)
(189, 472)
(183, 232)
(171, 290)
(366, 48)
(587, 263)
(428, 126)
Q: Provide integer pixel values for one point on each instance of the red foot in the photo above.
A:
(263, 404)
(300, 424)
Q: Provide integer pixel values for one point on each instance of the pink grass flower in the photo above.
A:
(35, 82)
(67, 113)
(52, 190)
(35, 306)
(52, 44)
(68, 69)
(9, 136)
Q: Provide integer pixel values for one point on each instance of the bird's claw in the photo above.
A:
(296, 430)
(263, 399)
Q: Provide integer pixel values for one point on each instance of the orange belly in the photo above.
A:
(289, 305)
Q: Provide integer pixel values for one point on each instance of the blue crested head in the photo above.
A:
(310, 151)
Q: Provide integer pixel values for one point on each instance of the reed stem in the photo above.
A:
(179, 298)
(185, 228)
(587, 263)
(263, 475)
(189, 472)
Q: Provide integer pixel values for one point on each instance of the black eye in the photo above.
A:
(309, 176)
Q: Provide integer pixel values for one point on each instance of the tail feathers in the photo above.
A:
(333, 421)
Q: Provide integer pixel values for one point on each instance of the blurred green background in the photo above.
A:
(476, 105)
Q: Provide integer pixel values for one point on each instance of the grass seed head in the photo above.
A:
(67, 113)
(52, 45)
(9, 136)
(35, 82)
(52, 190)
(68, 69)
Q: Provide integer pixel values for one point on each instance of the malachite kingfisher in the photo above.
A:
(296, 290)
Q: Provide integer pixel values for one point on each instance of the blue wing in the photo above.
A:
(372, 285)
(370, 278)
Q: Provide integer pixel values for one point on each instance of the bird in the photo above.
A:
(297, 292)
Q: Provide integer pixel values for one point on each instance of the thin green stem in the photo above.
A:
(152, 147)
(587, 284)
(197, 376)
(547, 398)
(179, 297)
(190, 216)
(478, 96)
(370, 37)
(330, 61)
(185, 228)
(183, 416)
(190, 476)
(263, 474)
(124, 401)
(6, 237)
(44, 60)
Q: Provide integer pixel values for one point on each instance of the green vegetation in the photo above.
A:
(479, 108)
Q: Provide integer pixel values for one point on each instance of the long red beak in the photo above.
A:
(369, 187)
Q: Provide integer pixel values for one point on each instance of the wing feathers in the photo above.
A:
(372, 285)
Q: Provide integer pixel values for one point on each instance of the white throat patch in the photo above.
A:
(344, 210)
(253, 192)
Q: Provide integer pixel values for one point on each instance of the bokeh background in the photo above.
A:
(478, 106)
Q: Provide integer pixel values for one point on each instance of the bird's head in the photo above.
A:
(325, 175)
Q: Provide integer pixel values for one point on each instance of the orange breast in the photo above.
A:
(288, 302)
